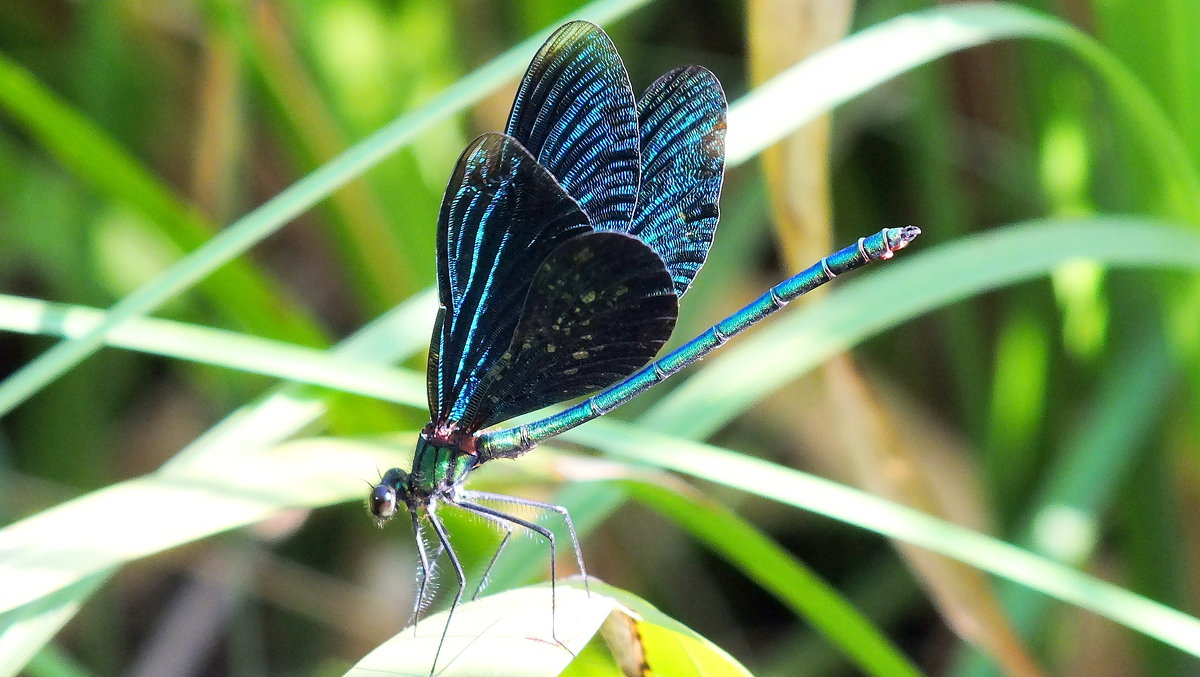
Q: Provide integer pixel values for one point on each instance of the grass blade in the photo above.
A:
(251, 229)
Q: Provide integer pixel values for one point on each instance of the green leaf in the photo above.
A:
(510, 634)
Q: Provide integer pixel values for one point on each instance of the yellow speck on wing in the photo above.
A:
(580, 354)
(550, 347)
(588, 297)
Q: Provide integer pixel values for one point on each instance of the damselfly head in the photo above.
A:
(391, 491)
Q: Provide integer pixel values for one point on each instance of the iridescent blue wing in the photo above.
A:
(682, 121)
(575, 114)
(600, 307)
(502, 215)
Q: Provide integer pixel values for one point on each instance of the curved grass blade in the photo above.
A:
(219, 347)
(821, 496)
(855, 65)
(369, 247)
(1100, 456)
(503, 634)
(731, 382)
(109, 527)
(23, 631)
(281, 413)
(785, 577)
(239, 291)
(251, 229)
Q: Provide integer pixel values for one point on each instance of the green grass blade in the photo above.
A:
(250, 486)
(251, 229)
(853, 66)
(218, 347)
(280, 414)
(239, 290)
(290, 408)
(782, 575)
(358, 222)
(867, 305)
(109, 527)
(25, 630)
(824, 497)
(1065, 514)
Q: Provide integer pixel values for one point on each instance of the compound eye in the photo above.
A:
(382, 502)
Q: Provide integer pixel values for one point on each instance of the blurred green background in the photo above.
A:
(1056, 412)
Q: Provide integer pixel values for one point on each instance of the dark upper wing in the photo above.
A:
(502, 215)
(599, 308)
(575, 114)
(682, 121)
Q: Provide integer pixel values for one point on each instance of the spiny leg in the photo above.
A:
(424, 574)
(508, 532)
(431, 590)
(546, 533)
(462, 584)
(561, 510)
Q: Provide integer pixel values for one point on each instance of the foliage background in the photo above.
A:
(1057, 413)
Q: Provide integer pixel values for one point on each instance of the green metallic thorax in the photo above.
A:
(439, 465)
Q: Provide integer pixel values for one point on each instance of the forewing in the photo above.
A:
(682, 121)
(502, 215)
(575, 113)
(600, 307)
